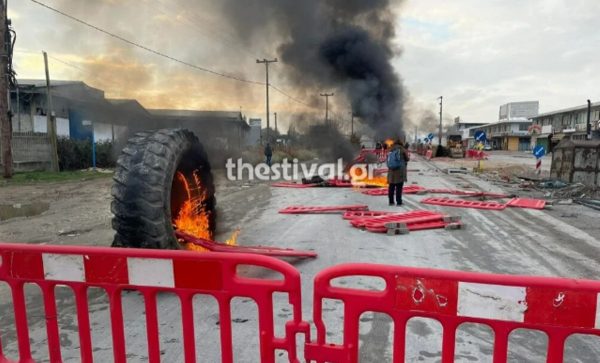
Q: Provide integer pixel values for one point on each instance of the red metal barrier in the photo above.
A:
(351, 214)
(396, 217)
(299, 209)
(214, 246)
(415, 226)
(408, 189)
(150, 272)
(527, 203)
(558, 307)
(468, 193)
(447, 202)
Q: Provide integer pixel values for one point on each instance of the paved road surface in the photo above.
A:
(513, 241)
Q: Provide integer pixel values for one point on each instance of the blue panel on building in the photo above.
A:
(77, 129)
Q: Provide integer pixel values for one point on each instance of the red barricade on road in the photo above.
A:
(468, 193)
(409, 189)
(150, 272)
(351, 214)
(415, 226)
(527, 203)
(447, 202)
(558, 307)
(214, 246)
(476, 154)
(298, 209)
(395, 217)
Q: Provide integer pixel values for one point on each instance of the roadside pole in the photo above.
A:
(539, 152)
(5, 122)
(51, 119)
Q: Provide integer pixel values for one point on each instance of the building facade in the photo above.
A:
(519, 110)
(503, 135)
(550, 128)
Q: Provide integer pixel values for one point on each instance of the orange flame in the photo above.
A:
(190, 218)
(389, 142)
(232, 241)
(377, 181)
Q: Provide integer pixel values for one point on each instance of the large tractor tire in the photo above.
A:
(157, 172)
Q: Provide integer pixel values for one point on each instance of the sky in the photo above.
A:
(477, 54)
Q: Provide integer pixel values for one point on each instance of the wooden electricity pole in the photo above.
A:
(266, 62)
(441, 98)
(5, 122)
(51, 119)
(327, 95)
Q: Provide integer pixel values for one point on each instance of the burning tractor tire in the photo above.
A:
(162, 182)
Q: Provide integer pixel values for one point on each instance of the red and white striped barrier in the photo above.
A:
(558, 307)
(150, 272)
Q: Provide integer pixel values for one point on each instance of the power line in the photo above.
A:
(66, 63)
(292, 97)
(164, 55)
(118, 37)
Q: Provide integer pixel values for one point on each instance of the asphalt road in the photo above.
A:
(513, 241)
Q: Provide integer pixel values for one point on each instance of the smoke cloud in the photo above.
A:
(340, 45)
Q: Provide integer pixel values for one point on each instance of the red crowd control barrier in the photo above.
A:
(150, 272)
(255, 250)
(352, 214)
(476, 154)
(527, 203)
(447, 202)
(324, 209)
(557, 307)
(468, 193)
(395, 217)
(408, 189)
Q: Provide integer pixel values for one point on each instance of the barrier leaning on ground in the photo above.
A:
(557, 307)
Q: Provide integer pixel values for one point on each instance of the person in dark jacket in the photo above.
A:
(268, 154)
(397, 160)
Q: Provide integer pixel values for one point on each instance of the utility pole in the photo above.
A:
(276, 131)
(51, 120)
(266, 62)
(440, 132)
(416, 133)
(5, 122)
(327, 95)
(589, 120)
(351, 125)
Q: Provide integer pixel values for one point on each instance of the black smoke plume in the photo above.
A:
(332, 45)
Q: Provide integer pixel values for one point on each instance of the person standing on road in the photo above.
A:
(396, 162)
(268, 154)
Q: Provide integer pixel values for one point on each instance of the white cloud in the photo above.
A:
(482, 54)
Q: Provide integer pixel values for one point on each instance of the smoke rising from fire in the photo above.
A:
(341, 45)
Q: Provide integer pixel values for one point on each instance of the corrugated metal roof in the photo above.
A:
(564, 110)
(196, 113)
(42, 82)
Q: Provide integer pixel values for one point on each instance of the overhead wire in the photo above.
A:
(166, 56)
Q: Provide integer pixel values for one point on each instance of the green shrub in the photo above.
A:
(77, 154)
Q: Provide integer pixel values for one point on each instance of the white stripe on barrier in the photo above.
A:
(150, 272)
(491, 301)
(597, 322)
(63, 267)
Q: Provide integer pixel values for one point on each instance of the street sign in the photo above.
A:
(430, 136)
(539, 151)
(480, 136)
